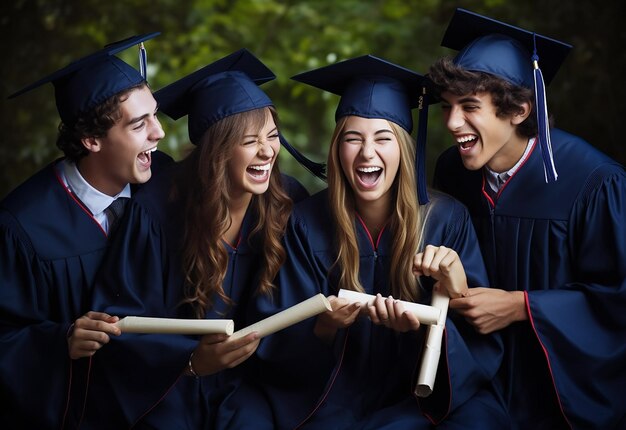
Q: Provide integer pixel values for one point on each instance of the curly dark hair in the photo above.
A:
(94, 123)
(445, 76)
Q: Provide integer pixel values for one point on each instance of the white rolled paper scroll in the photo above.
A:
(174, 325)
(427, 315)
(293, 315)
(432, 348)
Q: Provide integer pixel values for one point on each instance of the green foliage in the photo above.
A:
(40, 36)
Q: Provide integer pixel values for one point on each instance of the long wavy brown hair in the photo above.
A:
(406, 223)
(203, 186)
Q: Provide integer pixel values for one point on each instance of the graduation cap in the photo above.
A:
(511, 53)
(226, 87)
(371, 87)
(85, 83)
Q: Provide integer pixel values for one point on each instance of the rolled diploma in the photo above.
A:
(427, 315)
(174, 325)
(293, 315)
(432, 348)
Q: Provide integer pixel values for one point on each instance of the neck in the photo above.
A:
(90, 170)
(374, 214)
(508, 155)
(237, 208)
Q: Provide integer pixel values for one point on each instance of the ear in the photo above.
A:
(521, 115)
(92, 144)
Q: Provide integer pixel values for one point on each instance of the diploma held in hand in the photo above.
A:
(174, 326)
(293, 315)
(427, 315)
(432, 348)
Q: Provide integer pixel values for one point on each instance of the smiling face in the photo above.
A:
(369, 154)
(252, 159)
(123, 155)
(483, 138)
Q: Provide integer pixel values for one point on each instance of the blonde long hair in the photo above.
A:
(406, 223)
(203, 186)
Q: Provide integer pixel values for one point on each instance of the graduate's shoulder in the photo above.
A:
(572, 152)
(29, 195)
(312, 213)
(443, 208)
(313, 206)
(581, 166)
(155, 195)
(294, 189)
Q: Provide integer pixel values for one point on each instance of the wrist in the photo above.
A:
(520, 306)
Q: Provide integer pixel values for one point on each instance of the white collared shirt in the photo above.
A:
(95, 201)
(496, 180)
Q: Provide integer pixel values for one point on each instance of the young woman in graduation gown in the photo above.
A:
(198, 243)
(356, 367)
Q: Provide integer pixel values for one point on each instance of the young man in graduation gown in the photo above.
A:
(55, 229)
(555, 248)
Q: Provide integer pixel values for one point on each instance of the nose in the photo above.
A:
(156, 133)
(265, 149)
(455, 119)
(367, 150)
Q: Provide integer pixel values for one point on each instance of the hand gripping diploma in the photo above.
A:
(91, 332)
(444, 265)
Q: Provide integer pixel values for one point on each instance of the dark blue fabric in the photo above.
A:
(49, 254)
(370, 87)
(564, 244)
(137, 378)
(367, 376)
(495, 47)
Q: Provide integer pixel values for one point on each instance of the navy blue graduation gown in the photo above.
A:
(49, 256)
(367, 377)
(564, 245)
(138, 379)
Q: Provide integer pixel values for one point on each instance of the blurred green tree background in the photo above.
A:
(587, 97)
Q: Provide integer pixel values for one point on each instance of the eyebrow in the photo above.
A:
(384, 130)
(138, 119)
(256, 135)
(466, 99)
(142, 117)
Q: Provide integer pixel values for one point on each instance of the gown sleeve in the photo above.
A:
(29, 330)
(581, 325)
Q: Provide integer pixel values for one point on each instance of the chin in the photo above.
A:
(472, 164)
(142, 177)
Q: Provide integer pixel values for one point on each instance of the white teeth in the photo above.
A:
(464, 139)
(149, 151)
(263, 167)
(369, 169)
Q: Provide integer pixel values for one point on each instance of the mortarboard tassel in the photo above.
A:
(543, 126)
(420, 150)
(318, 169)
(143, 61)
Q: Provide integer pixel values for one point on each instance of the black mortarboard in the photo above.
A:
(226, 87)
(371, 87)
(501, 49)
(91, 80)
(513, 54)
